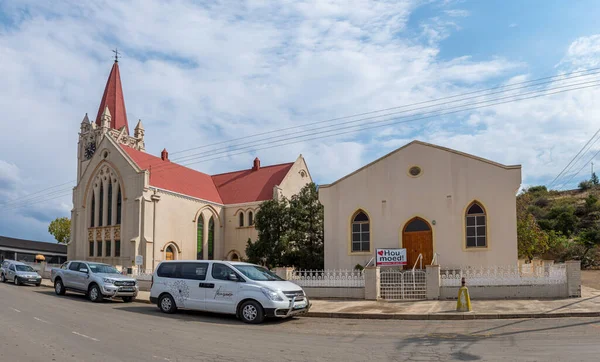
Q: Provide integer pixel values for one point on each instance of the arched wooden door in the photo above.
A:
(417, 238)
(169, 254)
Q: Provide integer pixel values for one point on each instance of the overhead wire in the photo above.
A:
(563, 76)
(544, 92)
(566, 168)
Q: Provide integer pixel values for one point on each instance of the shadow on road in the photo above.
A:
(75, 296)
(460, 343)
(190, 316)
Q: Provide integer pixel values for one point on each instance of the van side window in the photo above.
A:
(221, 271)
(194, 271)
(74, 266)
(167, 270)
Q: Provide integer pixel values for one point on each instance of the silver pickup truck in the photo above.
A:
(96, 280)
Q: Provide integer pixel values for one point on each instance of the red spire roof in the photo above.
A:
(113, 99)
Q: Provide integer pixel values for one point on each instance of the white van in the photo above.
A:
(249, 291)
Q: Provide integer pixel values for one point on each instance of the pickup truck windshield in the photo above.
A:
(25, 268)
(103, 268)
(255, 272)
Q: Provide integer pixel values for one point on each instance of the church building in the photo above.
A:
(129, 203)
(432, 201)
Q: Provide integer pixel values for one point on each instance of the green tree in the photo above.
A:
(589, 239)
(272, 223)
(60, 228)
(594, 179)
(531, 239)
(306, 229)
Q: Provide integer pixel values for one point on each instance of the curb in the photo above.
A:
(430, 317)
(465, 316)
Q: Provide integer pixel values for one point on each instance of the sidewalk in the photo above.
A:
(586, 306)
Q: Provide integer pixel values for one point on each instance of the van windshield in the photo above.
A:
(256, 272)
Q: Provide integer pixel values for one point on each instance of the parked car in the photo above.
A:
(19, 273)
(96, 280)
(248, 291)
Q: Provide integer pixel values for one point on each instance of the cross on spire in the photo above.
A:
(116, 51)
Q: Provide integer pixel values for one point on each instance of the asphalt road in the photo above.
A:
(37, 325)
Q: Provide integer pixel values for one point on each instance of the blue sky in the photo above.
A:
(197, 74)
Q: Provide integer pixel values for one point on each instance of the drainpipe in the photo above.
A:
(155, 198)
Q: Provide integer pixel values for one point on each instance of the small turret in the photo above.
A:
(85, 124)
(256, 165)
(139, 131)
(105, 118)
(164, 155)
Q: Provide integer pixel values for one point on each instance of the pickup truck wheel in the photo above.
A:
(59, 288)
(95, 294)
(252, 312)
(166, 303)
(127, 299)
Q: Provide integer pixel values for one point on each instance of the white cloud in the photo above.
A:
(457, 13)
(584, 52)
(197, 74)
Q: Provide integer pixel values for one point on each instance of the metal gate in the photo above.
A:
(402, 284)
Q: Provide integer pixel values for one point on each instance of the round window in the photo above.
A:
(415, 171)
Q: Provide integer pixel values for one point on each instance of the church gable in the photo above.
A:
(413, 155)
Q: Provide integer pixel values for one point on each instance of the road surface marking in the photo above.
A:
(16, 310)
(84, 336)
(165, 358)
(41, 320)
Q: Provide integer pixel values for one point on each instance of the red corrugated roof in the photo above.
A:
(250, 185)
(227, 188)
(173, 177)
(113, 99)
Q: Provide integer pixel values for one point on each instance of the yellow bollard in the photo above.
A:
(463, 303)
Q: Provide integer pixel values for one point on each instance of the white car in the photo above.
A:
(248, 291)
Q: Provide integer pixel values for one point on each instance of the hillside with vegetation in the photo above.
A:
(560, 225)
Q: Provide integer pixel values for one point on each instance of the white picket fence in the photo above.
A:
(327, 278)
(525, 274)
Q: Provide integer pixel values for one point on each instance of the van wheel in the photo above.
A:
(59, 288)
(127, 299)
(95, 294)
(252, 312)
(166, 303)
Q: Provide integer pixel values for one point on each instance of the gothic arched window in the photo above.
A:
(211, 239)
(109, 217)
(361, 232)
(101, 208)
(200, 237)
(93, 209)
(476, 225)
(118, 204)
(241, 218)
(250, 218)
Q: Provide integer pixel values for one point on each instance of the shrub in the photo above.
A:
(585, 185)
